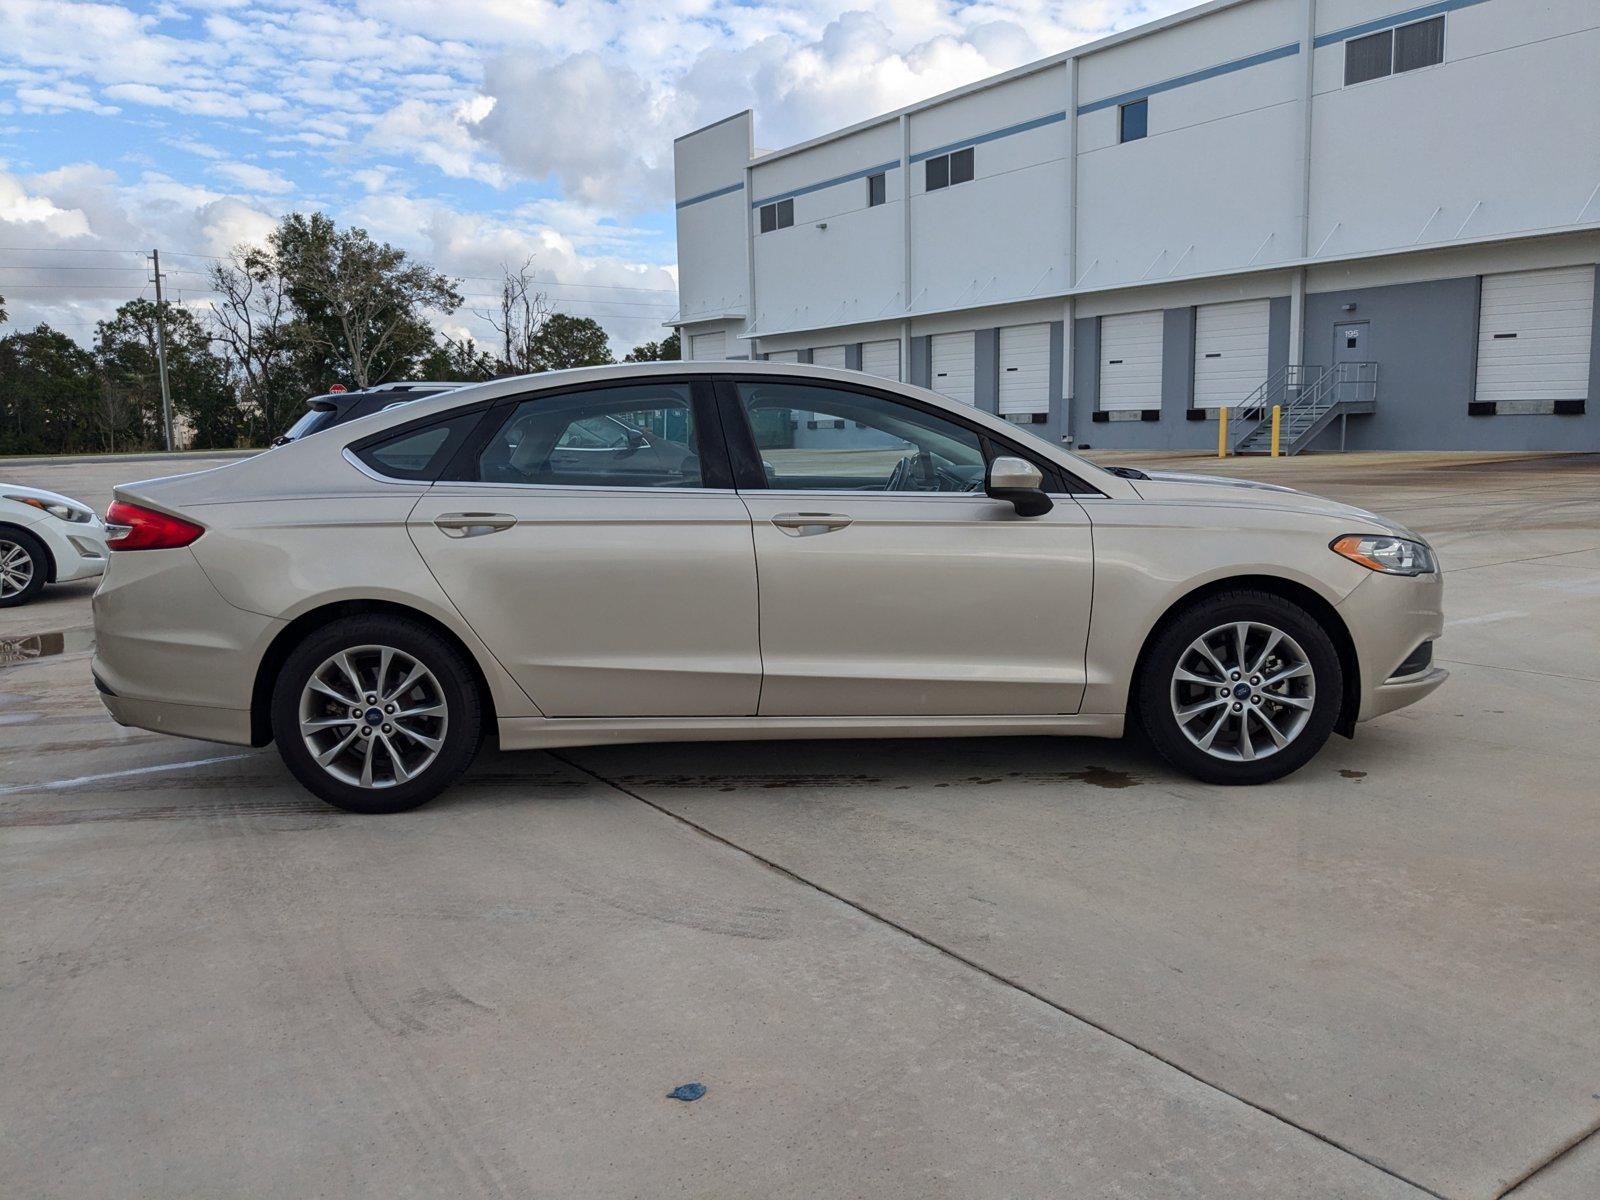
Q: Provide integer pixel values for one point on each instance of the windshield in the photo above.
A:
(310, 421)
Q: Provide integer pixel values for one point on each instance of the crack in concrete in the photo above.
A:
(994, 975)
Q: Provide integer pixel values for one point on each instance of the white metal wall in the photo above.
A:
(1230, 352)
(954, 369)
(881, 358)
(708, 345)
(1130, 361)
(1024, 369)
(1534, 333)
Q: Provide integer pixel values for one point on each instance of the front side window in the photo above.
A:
(828, 439)
(634, 436)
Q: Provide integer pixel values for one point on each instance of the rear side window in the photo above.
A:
(626, 436)
(419, 452)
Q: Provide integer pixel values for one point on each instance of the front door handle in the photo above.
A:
(808, 524)
(473, 524)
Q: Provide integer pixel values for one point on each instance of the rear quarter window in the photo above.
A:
(417, 452)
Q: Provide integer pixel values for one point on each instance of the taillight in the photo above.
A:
(130, 527)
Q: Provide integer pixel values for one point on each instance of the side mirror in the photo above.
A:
(1020, 483)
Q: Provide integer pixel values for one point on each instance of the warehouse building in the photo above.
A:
(1386, 221)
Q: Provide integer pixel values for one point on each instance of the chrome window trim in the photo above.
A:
(350, 457)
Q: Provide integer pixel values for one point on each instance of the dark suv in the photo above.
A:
(335, 408)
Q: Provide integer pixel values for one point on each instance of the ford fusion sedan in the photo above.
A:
(682, 551)
(45, 538)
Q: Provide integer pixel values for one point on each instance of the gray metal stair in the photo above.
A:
(1310, 400)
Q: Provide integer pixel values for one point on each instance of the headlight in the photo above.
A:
(63, 512)
(1391, 555)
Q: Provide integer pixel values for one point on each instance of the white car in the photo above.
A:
(45, 537)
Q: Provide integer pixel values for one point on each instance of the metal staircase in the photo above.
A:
(1310, 399)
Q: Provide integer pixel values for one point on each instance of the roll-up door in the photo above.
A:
(708, 345)
(1534, 334)
(828, 356)
(1024, 369)
(1230, 352)
(881, 358)
(784, 356)
(1130, 361)
(954, 371)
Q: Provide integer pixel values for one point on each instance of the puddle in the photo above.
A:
(26, 647)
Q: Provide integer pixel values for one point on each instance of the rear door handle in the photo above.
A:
(473, 524)
(808, 524)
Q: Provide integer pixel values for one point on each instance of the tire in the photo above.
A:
(1286, 707)
(24, 567)
(423, 737)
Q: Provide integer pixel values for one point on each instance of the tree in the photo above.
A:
(523, 311)
(564, 341)
(457, 361)
(2, 310)
(254, 322)
(48, 394)
(667, 349)
(201, 392)
(359, 302)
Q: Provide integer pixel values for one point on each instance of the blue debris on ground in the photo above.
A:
(687, 1092)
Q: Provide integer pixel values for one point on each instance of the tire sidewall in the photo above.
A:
(462, 737)
(41, 565)
(1155, 708)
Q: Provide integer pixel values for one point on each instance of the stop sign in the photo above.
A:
(338, 387)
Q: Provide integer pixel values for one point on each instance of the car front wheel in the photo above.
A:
(376, 714)
(1242, 687)
(23, 567)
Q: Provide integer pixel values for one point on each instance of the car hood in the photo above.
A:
(1182, 487)
(16, 489)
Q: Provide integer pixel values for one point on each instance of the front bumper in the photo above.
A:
(78, 551)
(1388, 617)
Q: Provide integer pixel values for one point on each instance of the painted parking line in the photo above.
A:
(56, 785)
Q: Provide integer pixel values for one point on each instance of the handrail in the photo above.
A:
(1346, 382)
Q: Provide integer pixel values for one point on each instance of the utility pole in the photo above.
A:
(161, 348)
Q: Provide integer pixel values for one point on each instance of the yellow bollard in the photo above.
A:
(1277, 417)
(1222, 433)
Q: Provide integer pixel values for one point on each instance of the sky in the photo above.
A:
(475, 134)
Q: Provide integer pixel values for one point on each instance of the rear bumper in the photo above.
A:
(182, 720)
(170, 653)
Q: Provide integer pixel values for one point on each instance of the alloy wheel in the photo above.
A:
(373, 716)
(1243, 691)
(16, 568)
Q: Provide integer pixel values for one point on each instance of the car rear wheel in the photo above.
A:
(376, 714)
(23, 567)
(1242, 687)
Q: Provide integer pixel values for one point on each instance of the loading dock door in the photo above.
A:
(1230, 352)
(708, 345)
(1534, 333)
(881, 358)
(954, 369)
(784, 356)
(828, 356)
(1024, 369)
(1130, 361)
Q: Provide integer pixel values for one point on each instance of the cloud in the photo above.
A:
(253, 178)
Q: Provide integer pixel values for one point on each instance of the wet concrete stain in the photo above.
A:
(1348, 774)
(16, 649)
